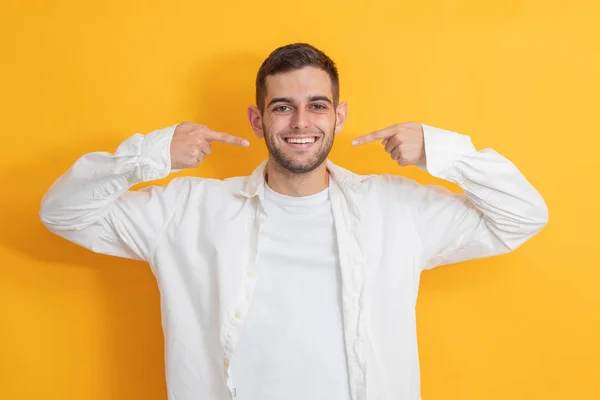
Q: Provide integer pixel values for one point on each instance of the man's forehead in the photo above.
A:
(301, 84)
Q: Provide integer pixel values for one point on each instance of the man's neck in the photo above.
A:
(290, 184)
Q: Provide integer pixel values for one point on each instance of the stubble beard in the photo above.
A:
(286, 163)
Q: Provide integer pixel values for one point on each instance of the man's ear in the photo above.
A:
(255, 119)
(341, 113)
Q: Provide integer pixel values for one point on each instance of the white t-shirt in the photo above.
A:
(292, 343)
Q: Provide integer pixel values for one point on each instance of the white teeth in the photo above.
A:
(300, 140)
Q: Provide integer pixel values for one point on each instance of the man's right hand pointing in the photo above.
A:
(192, 143)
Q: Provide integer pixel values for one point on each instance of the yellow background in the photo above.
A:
(518, 76)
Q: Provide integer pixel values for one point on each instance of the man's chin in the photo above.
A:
(302, 167)
(298, 163)
(296, 167)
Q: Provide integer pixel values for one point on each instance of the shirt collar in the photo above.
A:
(254, 185)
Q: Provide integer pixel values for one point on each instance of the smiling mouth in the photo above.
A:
(301, 141)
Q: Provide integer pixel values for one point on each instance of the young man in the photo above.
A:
(299, 281)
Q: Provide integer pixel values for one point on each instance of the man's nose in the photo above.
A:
(300, 119)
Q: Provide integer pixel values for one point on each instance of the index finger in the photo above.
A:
(373, 136)
(227, 138)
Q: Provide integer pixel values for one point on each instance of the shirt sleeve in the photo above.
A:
(496, 213)
(91, 204)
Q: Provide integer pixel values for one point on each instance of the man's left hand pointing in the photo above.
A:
(404, 142)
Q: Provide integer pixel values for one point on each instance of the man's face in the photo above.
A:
(299, 119)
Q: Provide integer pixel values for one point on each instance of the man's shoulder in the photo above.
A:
(206, 186)
(367, 181)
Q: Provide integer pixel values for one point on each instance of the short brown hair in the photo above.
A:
(292, 57)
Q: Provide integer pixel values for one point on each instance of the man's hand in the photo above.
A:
(404, 142)
(192, 143)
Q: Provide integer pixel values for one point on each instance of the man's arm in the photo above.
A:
(91, 204)
(497, 212)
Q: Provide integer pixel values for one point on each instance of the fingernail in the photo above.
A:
(355, 142)
(245, 143)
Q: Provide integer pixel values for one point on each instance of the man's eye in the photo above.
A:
(281, 108)
(319, 106)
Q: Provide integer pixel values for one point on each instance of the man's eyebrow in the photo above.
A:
(320, 98)
(288, 100)
(280, 100)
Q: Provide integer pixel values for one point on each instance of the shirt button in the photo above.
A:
(226, 362)
(250, 273)
(238, 315)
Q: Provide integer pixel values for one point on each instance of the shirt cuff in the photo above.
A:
(156, 154)
(442, 149)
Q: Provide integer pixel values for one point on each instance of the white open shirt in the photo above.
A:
(199, 237)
